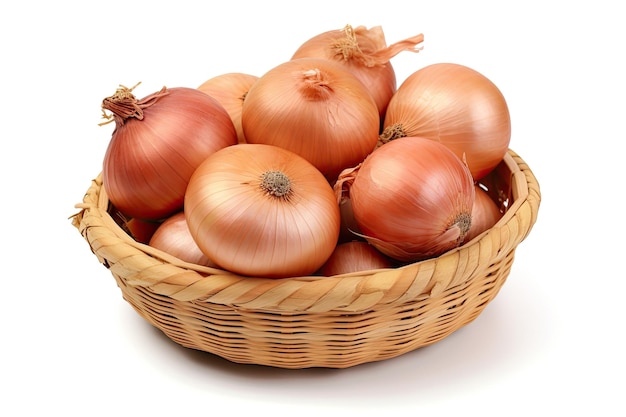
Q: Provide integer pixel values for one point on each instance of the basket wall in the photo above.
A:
(301, 322)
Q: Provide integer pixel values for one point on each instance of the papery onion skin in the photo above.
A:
(173, 237)
(354, 256)
(485, 213)
(230, 90)
(365, 53)
(252, 229)
(457, 106)
(412, 198)
(154, 149)
(316, 109)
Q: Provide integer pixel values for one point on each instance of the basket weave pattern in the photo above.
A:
(302, 322)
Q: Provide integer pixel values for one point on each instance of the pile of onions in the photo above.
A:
(412, 198)
(157, 144)
(316, 109)
(354, 256)
(321, 166)
(485, 213)
(262, 210)
(173, 237)
(365, 53)
(454, 105)
(230, 90)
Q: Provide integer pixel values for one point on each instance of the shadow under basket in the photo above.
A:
(302, 322)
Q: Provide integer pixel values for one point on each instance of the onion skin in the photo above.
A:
(457, 106)
(365, 53)
(173, 237)
(230, 89)
(485, 213)
(412, 198)
(155, 148)
(252, 226)
(316, 109)
(354, 256)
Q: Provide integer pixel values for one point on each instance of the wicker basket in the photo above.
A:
(331, 322)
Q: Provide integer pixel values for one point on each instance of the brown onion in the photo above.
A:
(354, 256)
(412, 198)
(316, 109)
(157, 143)
(261, 210)
(454, 105)
(173, 237)
(230, 90)
(365, 53)
(485, 213)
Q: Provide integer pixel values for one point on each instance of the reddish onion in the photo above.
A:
(230, 90)
(157, 144)
(457, 106)
(261, 210)
(349, 228)
(365, 53)
(173, 237)
(354, 256)
(485, 213)
(412, 198)
(141, 230)
(316, 109)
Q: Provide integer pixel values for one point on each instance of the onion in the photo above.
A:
(457, 106)
(354, 256)
(316, 109)
(485, 213)
(141, 230)
(260, 210)
(157, 144)
(365, 53)
(349, 228)
(230, 90)
(173, 237)
(412, 198)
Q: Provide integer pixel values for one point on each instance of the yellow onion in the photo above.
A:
(354, 256)
(485, 213)
(173, 237)
(457, 106)
(157, 144)
(365, 53)
(230, 90)
(260, 210)
(316, 109)
(412, 198)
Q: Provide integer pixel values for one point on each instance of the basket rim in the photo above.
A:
(143, 266)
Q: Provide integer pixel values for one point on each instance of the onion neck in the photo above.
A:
(315, 85)
(276, 184)
(347, 48)
(123, 105)
(390, 133)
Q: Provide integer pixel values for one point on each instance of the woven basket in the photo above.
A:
(331, 322)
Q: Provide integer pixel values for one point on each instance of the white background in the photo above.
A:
(550, 343)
